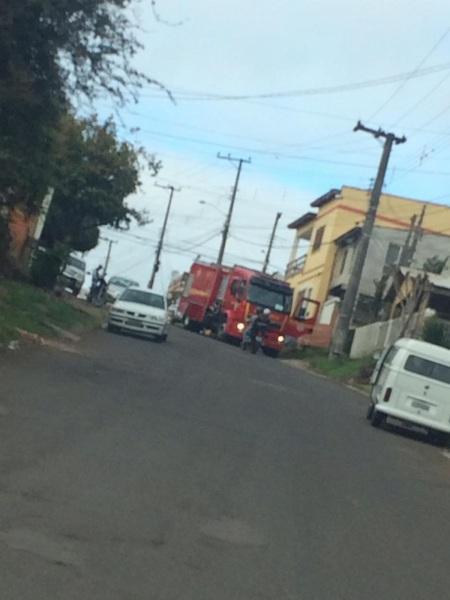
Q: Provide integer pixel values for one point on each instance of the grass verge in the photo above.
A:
(352, 371)
(23, 306)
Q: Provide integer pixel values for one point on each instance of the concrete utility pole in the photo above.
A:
(404, 255)
(272, 237)
(108, 254)
(338, 346)
(159, 247)
(226, 227)
(416, 236)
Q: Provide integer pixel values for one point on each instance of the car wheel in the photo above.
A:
(378, 418)
(75, 292)
(162, 338)
(112, 328)
(370, 410)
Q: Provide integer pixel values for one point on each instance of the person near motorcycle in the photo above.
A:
(258, 322)
(97, 283)
(212, 318)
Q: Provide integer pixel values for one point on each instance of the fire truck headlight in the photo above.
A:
(240, 326)
(280, 339)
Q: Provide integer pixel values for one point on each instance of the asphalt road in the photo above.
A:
(131, 470)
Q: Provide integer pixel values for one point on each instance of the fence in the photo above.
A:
(376, 336)
(295, 266)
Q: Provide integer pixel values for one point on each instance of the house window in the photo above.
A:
(392, 255)
(343, 261)
(318, 238)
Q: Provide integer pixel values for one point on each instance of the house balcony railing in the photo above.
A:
(295, 266)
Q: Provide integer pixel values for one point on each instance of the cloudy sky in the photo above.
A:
(283, 83)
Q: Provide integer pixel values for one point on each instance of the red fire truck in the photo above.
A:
(222, 299)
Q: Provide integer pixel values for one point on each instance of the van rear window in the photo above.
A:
(428, 368)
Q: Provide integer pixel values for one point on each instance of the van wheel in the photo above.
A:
(370, 410)
(377, 419)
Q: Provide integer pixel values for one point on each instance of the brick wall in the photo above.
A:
(21, 226)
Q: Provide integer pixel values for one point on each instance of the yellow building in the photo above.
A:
(339, 211)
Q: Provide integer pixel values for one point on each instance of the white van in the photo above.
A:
(411, 382)
(74, 274)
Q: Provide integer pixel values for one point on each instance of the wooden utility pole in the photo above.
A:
(226, 227)
(272, 238)
(338, 345)
(159, 247)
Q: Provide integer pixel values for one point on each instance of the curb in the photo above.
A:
(295, 363)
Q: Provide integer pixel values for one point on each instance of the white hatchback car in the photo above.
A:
(117, 285)
(140, 311)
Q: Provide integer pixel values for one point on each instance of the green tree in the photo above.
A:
(95, 172)
(53, 51)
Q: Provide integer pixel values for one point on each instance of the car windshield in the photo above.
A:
(76, 262)
(141, 297)
(275, 299)
(122, 282)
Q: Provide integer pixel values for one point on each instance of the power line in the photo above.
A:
(406, 76)
(307, 144)
(278, 155)
(418, 161)
(184, 251)
(196, 241)
(422, 99)
(411, 76)
(258, 244)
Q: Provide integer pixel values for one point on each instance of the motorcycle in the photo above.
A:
(253, 338)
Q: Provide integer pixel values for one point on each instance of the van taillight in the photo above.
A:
(387, 394)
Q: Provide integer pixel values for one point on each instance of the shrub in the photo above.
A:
(45, 269)
(437, 331)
